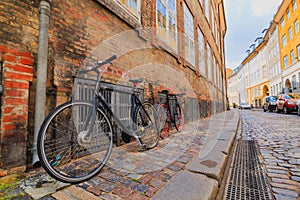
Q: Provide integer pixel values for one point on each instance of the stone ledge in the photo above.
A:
(188, 185)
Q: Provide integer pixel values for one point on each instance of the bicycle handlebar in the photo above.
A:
(99, 64)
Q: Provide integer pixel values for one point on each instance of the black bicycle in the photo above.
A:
(170, 113)
(76, 138)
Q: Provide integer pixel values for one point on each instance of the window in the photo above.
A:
(298, 51)
(292, 57)
(296, 26)
(209, 61)
(283, 40)
(290, 33)
(201, 52)
(264, 71)
(132, 5)
(212, 21)
(294, 83)
(288, 14)
(206, 4)
(282, 22)
(285, 61)
(166, 22)
(189, 35)
(280, 88)
(294, 5)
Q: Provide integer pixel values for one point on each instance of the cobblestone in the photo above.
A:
(279, 144)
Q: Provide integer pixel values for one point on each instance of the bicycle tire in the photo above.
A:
(146, 119)
(164, 120)
(64, 151)
(178, 118)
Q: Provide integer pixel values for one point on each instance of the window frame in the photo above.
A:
(282, 22)
(290, 32)
(296, 26)
(136, 13)
(294, 5)
(292, 55)
(169, 32)
(285, 61)
(283, 40)
(189, 35)
(201, 46)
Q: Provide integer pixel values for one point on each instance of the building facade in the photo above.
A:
(185, 36)
(272, 64)
(288, 17)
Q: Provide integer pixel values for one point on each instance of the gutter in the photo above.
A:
(40, 99)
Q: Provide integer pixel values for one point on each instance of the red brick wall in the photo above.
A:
(17, 75)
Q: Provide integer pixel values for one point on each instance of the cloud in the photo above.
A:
(263, 8)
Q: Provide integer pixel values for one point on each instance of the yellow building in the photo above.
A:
(287, 17)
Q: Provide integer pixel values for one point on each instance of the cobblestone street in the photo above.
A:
(278, 138)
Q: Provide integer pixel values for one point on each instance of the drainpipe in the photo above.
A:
(40, 99)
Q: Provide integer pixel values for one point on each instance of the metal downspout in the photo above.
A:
(40, 99)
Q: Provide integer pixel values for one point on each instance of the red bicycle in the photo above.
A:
(170, 113)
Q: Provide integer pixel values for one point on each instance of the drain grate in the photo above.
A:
(246, 177)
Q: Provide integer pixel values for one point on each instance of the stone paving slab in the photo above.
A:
(188, 185)
(212, 165)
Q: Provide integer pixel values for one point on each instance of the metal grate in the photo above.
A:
(247, 179)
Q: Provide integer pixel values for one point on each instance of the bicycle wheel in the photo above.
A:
(164, 120)
(65, 151)
(178, 118)
(146, 120)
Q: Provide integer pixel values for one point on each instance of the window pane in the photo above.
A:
(172, 5)
(290, 33)
(201, 52)
(292, 56)
(296, 25)
(132, 4)
(282, 22)
(285, 61)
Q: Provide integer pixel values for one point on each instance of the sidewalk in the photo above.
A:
(186, 165)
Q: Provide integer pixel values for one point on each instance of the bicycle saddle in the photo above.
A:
(165, 91)
(136, 80)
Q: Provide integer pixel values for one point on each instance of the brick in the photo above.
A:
(18, 85)
(95, 190)
(8, 109)
(21, 53)
(26, 61)
(15, 118)
(122, 191)
(16, 101)
(8, 127)
(151, 191)
(15, 93)
(17, 76)
(9, 58)
(20, 68)
(3, 49)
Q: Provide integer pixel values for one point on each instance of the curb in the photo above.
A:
(203, 175)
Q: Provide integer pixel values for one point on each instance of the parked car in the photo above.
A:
(269, 103)
(286, 104)
(243, 106)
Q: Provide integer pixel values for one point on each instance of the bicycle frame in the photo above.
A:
(100, 102)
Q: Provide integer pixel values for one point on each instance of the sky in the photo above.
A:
(245, 22)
